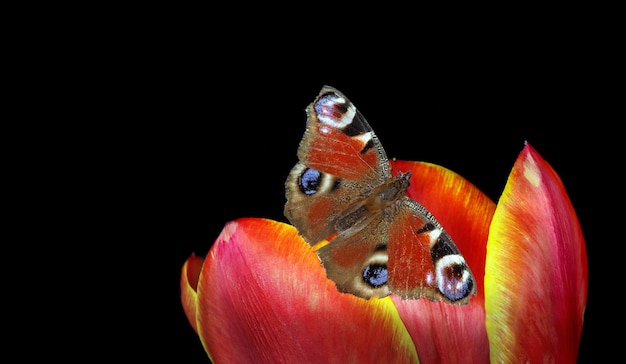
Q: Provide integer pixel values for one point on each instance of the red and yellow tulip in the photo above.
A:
(261, 295)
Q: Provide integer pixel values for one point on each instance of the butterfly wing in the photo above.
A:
(340, 162)
(423, 259)
(405, 252)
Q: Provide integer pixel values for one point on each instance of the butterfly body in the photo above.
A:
(380, 241)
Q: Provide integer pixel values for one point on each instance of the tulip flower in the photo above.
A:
(261, 294)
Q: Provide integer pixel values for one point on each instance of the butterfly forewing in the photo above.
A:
(423, 260)
(340, 142)
(341, 162)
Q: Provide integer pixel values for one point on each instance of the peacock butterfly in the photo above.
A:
(379, 241)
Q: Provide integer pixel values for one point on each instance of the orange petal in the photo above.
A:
(445, 333)
(536, 273)
(263, 296)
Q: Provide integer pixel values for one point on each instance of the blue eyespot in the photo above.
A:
(310, 181)
(375, 275)
(456, 283)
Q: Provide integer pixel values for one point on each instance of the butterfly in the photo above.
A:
(379, 241)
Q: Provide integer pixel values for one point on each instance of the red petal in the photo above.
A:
(263, 296)
(445, 333)
(536, 274)
(189, 286)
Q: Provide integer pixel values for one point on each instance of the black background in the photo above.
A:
(202, 130)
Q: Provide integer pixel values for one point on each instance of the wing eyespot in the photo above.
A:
(310, 181)
(375, 275)
(454, 279)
